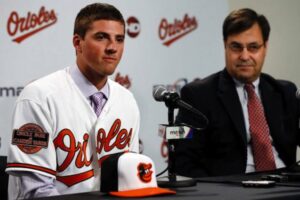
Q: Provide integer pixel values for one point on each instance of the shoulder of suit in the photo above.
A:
(285, 87)
(205, 80)
(277, 82)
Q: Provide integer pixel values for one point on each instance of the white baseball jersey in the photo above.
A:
(56, 132)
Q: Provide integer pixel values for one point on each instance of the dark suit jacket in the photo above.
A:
(221, 149)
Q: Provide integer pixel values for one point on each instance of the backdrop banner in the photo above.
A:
(170, 43)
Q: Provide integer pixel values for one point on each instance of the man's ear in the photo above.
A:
(266, 44)
(77, 42)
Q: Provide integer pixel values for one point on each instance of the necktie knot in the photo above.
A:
(249, 87)
(97, 101)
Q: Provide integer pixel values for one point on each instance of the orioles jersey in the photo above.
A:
(56, 132)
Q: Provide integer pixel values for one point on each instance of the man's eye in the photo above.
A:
(100, 37)
(236, 47)
(253, 48)
(120, 39)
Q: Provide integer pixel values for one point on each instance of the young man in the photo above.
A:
(65, 124)
(253, 118)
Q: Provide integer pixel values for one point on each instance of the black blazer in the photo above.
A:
(221, 149)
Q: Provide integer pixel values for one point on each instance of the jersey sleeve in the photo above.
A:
(31, 148)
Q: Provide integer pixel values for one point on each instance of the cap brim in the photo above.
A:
(143, 192)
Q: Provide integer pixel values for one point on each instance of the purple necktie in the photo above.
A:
(260, 134)
(97, 99)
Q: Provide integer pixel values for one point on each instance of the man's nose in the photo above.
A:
(245, 54)
(111, 47)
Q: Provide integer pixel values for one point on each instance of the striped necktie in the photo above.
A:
(97, 101)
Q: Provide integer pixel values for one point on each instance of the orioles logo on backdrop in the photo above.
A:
(133, 27)
(170, 32)
(22, 27)
(123, 80)
(145, 172)
(116, 138)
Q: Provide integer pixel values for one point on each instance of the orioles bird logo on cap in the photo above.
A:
(145, 172)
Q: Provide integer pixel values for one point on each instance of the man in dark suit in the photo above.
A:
(228, 145)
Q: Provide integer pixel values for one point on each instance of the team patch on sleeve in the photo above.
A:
(30, 138)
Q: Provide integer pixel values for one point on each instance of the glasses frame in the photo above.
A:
(239, 48)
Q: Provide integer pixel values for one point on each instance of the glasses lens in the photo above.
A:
(252, 48)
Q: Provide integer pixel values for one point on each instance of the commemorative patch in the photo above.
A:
(30, 138)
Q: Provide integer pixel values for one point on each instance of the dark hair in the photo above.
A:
(93, 12)
(240, 20)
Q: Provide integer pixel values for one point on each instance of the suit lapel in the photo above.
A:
(271, 100)
(229, 97)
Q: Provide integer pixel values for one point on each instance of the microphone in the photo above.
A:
(170, 98)
(173, 100)
(172, 132)
(298, 94)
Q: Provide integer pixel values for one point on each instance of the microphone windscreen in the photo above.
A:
(158, 92)
(298, 94)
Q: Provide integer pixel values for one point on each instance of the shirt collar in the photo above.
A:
(85, 86)
(240, 84)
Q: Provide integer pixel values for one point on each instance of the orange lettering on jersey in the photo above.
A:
(71, 149)
(81, 159)
(105, 141)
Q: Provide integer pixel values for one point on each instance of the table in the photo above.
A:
(212, 188)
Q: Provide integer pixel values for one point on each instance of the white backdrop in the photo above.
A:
(197, 52)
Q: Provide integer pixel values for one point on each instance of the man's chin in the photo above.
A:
(246, 79)
(109, 71)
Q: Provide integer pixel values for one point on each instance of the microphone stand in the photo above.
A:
(172, 180)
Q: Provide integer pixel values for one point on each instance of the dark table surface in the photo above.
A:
(212, 188)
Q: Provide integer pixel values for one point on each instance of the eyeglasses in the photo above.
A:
(238, 48)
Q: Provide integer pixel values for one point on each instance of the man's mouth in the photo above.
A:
(109, 59)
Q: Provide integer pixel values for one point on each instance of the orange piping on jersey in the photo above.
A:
(29, 166)
(76, 178)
